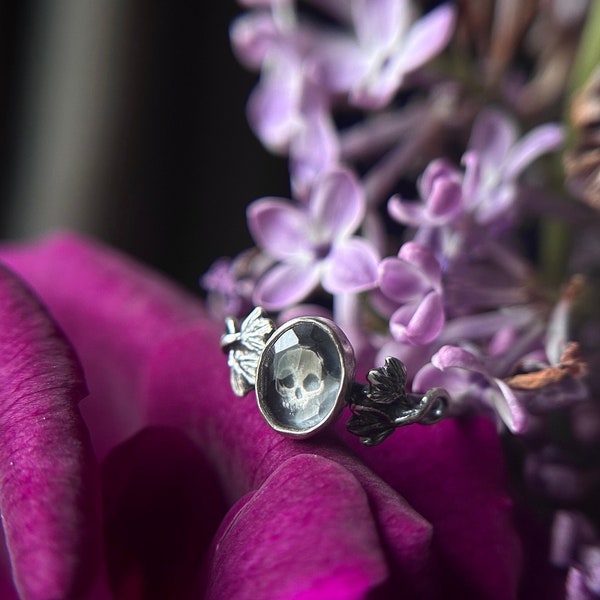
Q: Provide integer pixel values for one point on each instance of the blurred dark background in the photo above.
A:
(125, 120)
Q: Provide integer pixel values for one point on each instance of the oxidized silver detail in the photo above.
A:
(303, 373)
(244, 347)
(383, 404)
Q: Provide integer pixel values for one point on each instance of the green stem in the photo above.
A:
(588, 53)
(555, 236)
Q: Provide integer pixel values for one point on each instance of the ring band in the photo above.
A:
(303, 373)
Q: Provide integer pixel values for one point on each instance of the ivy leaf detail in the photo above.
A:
(387, 384)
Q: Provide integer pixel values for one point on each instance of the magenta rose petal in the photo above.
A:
(7, 586)
(453, 474)
(307, 532)
(189, 388)
(162, 505)
(48, 473)
(114, 311)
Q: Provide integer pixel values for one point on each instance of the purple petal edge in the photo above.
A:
(47, 468)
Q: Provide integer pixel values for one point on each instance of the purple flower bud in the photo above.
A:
(414, 280)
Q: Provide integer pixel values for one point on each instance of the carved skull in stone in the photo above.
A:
(299, 380)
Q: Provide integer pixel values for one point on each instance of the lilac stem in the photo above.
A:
(377, 133)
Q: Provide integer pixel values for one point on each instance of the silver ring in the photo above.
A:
(303, 373)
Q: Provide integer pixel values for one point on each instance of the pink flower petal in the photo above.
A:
(313, 151)
(420, 324)
(466, 391)
(337, 205)
(338, 63)
(427, 37)
(48, 471)
(7, 586)
(538, 141)
(509, 409)
(286, 284)
(378, 23)
(402, 281)
(253, 35)
(279, 227)
(446, 199)
(493, 135)
(274, 105)
(351, 267)
(472, 178)
(407, 212)
(453, 356)
(439, 168)
(423, 258)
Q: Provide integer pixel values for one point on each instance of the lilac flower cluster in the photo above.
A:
(367, 101)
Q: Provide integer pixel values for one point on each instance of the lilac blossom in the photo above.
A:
(222, 286)
(413, 279)
(387, 44)
(290, 114)
(494, 160)
(313, 242)
(288, 110)
(544, 382)
(278, 49)
(469, 380)
(488, 189)
(440, 188)
(314, 148)
(229, 283)
(274, 105)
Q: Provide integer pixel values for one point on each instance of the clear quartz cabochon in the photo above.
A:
(303, 376)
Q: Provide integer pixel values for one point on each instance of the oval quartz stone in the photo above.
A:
(303, 376)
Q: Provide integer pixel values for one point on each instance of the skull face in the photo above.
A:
(299, 380)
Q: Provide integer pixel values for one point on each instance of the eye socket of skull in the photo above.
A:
(289, 381)
(311, 382)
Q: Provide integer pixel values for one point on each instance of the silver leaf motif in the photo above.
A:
(245, 345)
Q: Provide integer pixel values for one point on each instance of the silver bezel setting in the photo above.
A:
(345, 355)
